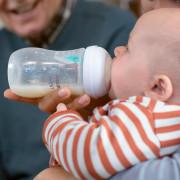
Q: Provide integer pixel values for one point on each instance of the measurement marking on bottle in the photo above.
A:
(51, 82)
(57, 81)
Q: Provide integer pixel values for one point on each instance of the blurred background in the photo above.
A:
(133, 5)
(1, 25)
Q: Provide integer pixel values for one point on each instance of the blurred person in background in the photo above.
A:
(55, 25)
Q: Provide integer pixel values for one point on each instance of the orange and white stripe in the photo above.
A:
(119, 135)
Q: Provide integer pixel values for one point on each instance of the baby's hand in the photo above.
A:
(61, 107)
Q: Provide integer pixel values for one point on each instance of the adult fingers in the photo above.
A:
(49, 102)
(79, 102)
(10, 95)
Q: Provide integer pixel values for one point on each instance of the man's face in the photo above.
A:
(28, 18)
(155, 4)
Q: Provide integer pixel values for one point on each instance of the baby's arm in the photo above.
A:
(100, 148)
(61, 107)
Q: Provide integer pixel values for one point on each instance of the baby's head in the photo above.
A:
(150, 64)
(155, 4)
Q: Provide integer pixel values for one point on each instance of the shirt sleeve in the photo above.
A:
(167, 168)
(100, 149)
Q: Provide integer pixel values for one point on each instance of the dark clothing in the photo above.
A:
(22, 152)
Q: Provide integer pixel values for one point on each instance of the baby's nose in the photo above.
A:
(118, 50)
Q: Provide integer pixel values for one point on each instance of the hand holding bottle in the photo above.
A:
(49, 102)
(84, 104)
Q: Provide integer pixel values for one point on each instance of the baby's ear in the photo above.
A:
(161, 88)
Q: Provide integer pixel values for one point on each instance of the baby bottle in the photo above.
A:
(33, 72)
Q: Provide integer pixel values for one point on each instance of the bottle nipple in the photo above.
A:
(96, 71)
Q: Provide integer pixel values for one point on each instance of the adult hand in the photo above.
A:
(54, 173)
(49, 102)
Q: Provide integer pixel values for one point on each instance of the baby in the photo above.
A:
(142, 121)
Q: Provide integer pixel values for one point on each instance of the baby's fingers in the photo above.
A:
(61, 107)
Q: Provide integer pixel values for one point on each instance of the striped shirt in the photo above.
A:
(119, 135)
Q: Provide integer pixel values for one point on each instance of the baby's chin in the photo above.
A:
(111, 94)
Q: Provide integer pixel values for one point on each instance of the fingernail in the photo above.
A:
(83, 99)
(62, 92)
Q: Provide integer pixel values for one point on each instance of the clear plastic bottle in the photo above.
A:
(33, 72)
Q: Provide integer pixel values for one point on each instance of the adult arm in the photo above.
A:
(54, 173)
(167, 168)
